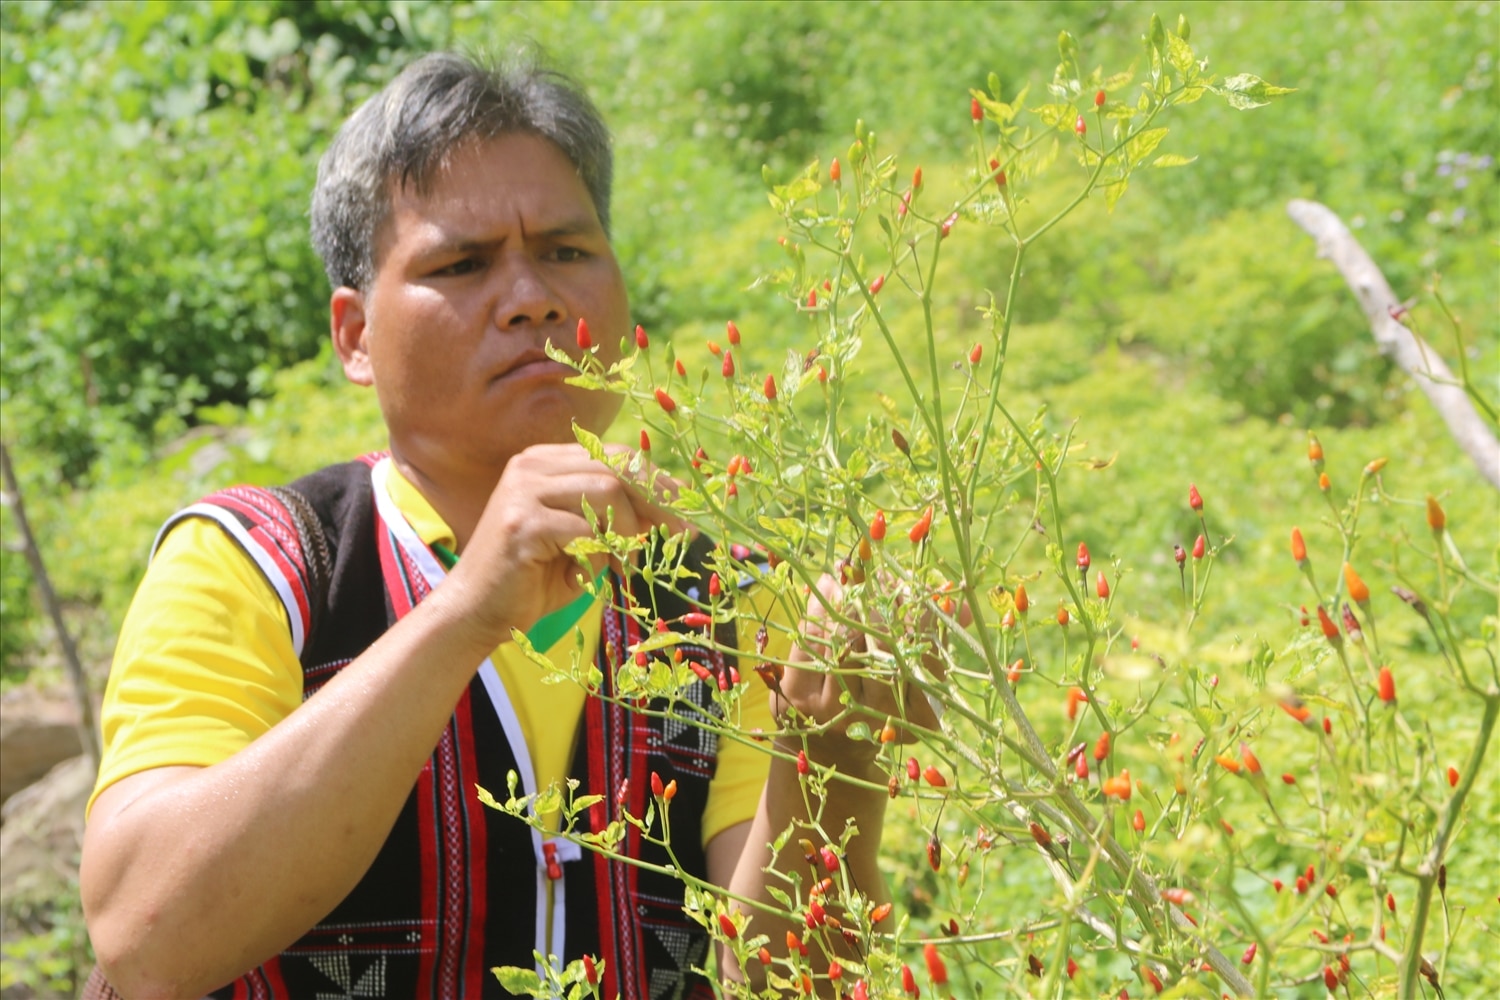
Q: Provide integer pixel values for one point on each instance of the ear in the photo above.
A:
(349, 325)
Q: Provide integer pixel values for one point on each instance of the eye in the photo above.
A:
(467, 265)
(568, 255)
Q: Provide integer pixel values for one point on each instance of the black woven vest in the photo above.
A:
(453, 892)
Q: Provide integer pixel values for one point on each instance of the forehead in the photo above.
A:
(515, 179)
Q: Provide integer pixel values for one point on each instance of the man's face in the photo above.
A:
(503, 254)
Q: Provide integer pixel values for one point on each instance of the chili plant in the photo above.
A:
(1284, 828)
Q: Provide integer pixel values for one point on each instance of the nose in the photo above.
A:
(525, 297)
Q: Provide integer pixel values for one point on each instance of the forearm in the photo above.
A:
(786, 801)
(201, 877)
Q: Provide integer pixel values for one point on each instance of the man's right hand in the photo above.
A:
(516, 568)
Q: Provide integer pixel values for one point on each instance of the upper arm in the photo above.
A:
(724, 853)
(204, 664)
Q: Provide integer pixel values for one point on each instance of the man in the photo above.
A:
(287, 803)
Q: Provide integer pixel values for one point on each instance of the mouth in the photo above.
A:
(533, 363)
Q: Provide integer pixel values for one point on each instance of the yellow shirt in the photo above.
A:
(205, 664)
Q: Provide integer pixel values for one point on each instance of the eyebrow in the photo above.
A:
(462, 244)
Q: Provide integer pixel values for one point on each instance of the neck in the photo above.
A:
(458, 499)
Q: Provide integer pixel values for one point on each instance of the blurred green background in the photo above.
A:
(164, 318)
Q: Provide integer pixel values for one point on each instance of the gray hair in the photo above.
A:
(404, 134)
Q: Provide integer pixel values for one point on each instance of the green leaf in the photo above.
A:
(1114, 192)
(517, 981)
(1057, 115)
(590, 442)
(859, 732)
(1180, 55)
(1143, 144)
(1246, 91)
(1067, 51)
(1172, 160)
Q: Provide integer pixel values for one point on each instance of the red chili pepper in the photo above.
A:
(1062, 615)
(1330, 630)
(999, 174)
(1288, 778)
(1386, 685)
(770, 388)
(645, 440)
(947, 226)
(976, 112)
(1101, 586)
(697, 619)
(1101, 746)
(1436, 519)
(1099, 99)
(1315, 452)
(877, 284)
(715, 587)
(1299, 548)
(667, 402)
(812, 298)
(1249, 955)
(901, 209)
(1195, 501)
(1139, 821)
(1081, 768)
(934, 777)
(1332, 890)
(1327, 725)
(1117, 787)
(727, 368)
(1277, 884)
(1014, 673)
(657, 788)
(1375, 466)
(1324, 483)
(732, 332)
(681, 368)
(1074, 698)
(877, 526)
(834, 173)
(916, 179)
(1040, 835)
(1022, 601)
(835, 971)
(803, 767)
(1083, 556)
(1072, 967)
(641, 340)
(584, 340)
(1152, 978)
(670, 791)
(936, 970)
(1080, 126)
(830, 859)
(1390, 901)
(1248, 758)
(1358, 592)
(913, 769)
(1453, 777)
(922, 527)
(908, 981)
(935, 853)
(1330, 978)
(1179, 555)
(822, 374)
(726, 925)
(1200, 547)
(975, 353)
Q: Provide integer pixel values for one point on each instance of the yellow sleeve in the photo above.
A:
(204, 664)
(734, 792)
